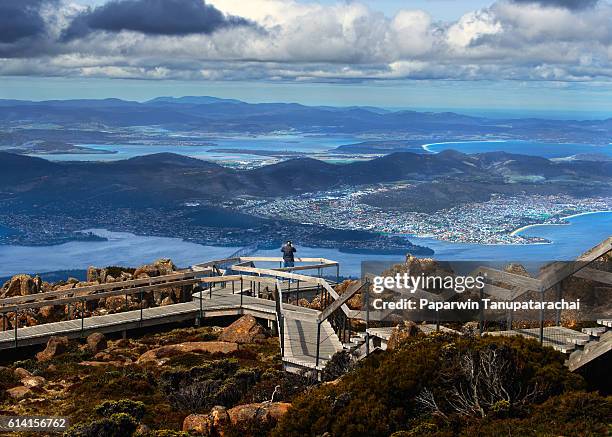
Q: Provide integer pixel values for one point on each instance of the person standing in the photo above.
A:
(288, 258)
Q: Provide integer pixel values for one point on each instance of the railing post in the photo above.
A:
(201, 293)
(367, 305)
(281, 327)
(141, 306)
(16, 326)
(289, 291)
(481, 310)
(542, 318)
(241, 291)
(233, 287)
(82, 316)
(318, 344)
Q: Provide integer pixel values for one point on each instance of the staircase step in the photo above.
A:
(595, 332)
(578, 341)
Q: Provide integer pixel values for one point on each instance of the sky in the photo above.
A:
(534, 55)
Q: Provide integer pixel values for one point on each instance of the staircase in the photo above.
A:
(597, 342)
(301, 342)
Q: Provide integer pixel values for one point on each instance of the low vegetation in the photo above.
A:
(442, 385)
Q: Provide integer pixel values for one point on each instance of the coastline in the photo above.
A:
(427, 149)
(524, 228)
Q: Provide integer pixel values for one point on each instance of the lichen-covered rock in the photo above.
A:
(243, 331)
(55, 346)
(262, 412)
(199, 424)
(19, 392)
(162, 354)
(33, 382)
(20, 373)
(21, 285)
(96, 342)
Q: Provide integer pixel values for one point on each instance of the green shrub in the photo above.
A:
(200, 388)
(134, 409)
(340, 363)
(415, 387)
(118, 425)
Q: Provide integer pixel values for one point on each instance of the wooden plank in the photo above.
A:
(501, 293)
(341, 300)
(595, 275)
(92, 288)
(508, 278)
(97, 296)
(556, 272)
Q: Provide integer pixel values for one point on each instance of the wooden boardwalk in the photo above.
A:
(226, 296)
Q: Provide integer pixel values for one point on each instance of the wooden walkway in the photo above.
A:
(229, 295)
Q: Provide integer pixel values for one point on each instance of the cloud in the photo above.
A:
(20, 19)
(568, 4)
(153, 17)
(315, 41)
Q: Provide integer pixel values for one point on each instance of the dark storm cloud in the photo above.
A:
(568, 4)
(157, 17)
(20, 19)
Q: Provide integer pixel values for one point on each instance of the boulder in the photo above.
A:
(262, 412)
(116, 303)
(55, 347)
(96, 342)
(20, 285)
(33, 382)
(199, 424)
(19, 392)
(219, 417)
(93, 274)
(165, 266)
(20, 373)
(244, 330)
(162, 266)
(162, 354)
(101, 363)
(167, 301)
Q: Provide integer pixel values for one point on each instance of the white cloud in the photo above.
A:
(344, 41)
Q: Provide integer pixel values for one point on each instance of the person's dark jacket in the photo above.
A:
(288, 252)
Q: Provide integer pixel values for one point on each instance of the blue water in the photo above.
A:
(533, 148)
(122, 248)
(4, 231)
(292, 143)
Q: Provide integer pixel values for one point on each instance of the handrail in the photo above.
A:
(155, 280)
(280, 319)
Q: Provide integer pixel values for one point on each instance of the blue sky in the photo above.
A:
(532, 55)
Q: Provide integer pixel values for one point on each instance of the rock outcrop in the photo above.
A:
(96, 342)
(55, 346)
(219, 418)
(162, 354)
(263, 412)
(21, 285)
(243, 331)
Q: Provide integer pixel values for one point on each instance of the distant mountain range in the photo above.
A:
(210, 114)
(168, 179)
